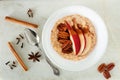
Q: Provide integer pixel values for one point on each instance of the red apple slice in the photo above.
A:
(81, 36)
(82, 40)
(74, 38)
(88, 43)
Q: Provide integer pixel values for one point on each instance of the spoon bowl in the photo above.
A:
(29, 35)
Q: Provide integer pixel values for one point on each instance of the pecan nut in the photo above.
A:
(110, 66)
(106, 69)
(62, 27)
(62, 41)
(63, 35)
(106, 74)
(67, 47)
(102, 67)
(67, 51)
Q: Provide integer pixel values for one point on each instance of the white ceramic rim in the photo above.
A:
(95, 55)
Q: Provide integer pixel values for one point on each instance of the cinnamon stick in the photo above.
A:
(17, 56)
(10, 19)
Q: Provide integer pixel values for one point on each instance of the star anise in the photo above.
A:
(34, 56)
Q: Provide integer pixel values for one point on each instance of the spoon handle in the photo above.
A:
(55, 69)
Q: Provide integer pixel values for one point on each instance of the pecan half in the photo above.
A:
(110, 66)
(106, 74)
(68, 50)
(62, 41)
(67, 47)
(63, 35)
(62, 27)
(101, 67)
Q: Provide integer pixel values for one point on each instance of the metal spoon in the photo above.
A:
(33, 39)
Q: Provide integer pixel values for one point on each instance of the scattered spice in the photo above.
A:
(34, 56)
(7, 63)
(21, 36)
(11, 65)
(105, 69)
(18, 40)
(22, 45)
(13, 62)
(30, 13)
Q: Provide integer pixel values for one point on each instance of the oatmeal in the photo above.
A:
(65, 34)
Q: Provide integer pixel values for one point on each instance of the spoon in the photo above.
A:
(33, 39)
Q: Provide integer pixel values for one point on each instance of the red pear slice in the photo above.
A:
(74, 38)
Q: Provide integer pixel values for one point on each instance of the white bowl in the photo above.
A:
(95, 55)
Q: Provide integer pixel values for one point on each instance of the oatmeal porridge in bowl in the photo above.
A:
(73, 39)
(77, 42)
